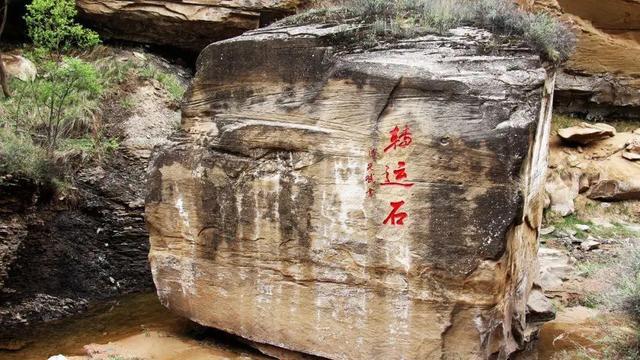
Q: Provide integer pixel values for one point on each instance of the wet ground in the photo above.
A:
(135, 326)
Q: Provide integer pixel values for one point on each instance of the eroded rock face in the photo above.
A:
(190, 25)
(602, 78)
(601, 170)
(270, 218)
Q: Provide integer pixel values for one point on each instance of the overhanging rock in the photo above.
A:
(185, 24)
(356, 204)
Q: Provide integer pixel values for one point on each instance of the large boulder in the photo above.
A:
(186, 24)
(356, 204)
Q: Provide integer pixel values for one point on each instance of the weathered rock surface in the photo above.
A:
(598, 96)
(19, 67)
(586, 133)
(562, 188)
(601, 170)
(270, 219)
(187, 24)
(602, 78)
(555, 267)
(632, 151)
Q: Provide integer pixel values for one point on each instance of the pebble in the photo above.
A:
(582, 227)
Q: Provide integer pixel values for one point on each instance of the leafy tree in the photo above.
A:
(51, 26)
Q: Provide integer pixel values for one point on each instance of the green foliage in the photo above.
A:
(19, 155)
(51, 26)
(127, 103)
(114, 71)
(53, 118)
(629, 284)
(616, 230)
(410, 18)
(569, 223)
(620, 292)
(589, 268)
(95, 147)
(58, 103)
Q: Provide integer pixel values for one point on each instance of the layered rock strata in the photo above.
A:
(186, 24)
(602, 77)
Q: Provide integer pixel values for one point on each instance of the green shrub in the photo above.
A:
(410, 18)
(58, 103)
(20, 156)
(51, 26)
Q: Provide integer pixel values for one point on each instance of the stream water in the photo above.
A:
(139, 326)
(135, 326)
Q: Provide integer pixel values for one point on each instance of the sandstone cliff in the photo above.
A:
(190, 25)
(602, 78)
(356, 204)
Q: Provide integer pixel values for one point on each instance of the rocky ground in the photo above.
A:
(88, 242)
(591, 242)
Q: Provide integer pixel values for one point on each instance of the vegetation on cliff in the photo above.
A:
(59, 114)
(399, 19)
(51, 26)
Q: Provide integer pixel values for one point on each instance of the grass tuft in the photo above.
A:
(169, 81)
(410, 18)
(20, 156)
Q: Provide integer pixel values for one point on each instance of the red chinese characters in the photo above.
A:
(398, 176)
(396, 217)
(399, 139)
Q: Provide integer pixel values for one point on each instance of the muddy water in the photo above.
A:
(572, 333)
(139, 327)
(133, 326)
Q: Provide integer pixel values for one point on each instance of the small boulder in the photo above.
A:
(589, 245)
(19, 67)
(582, 227)
(547, 230)
(555, 268)
(539, 307)
(584, 183)
(586, 133)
